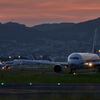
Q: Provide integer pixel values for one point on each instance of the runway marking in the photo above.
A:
(21, 91)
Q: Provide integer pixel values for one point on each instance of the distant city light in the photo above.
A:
(41, 56)
(99, 51)
(9, 57)
(19, 56)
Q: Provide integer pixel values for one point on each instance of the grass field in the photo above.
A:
(47, 75)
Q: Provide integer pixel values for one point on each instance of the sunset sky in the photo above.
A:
(33, 12)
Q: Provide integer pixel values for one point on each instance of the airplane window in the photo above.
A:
(74, 58)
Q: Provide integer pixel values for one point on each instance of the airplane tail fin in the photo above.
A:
(94, 42)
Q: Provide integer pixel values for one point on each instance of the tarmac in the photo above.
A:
(22, 88)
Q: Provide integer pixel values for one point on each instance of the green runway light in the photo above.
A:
(30, 83)
(2, 83)
(59, 84)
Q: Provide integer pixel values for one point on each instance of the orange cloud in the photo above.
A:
(42, 11)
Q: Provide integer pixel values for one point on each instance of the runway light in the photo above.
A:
(59, 84)
(74, 73)
(3, 68)
(65, 67)
(9, 68)
(30, 83)
(2, 83)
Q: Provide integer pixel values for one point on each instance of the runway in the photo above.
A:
(21, 88)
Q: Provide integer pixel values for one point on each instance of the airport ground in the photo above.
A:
(44, 84)
(45, 74)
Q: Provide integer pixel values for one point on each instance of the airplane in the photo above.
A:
(6, 64)
(75, 61)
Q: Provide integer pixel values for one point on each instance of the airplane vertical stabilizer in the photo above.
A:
(94, 42)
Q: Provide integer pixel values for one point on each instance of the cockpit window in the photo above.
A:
(74, 58)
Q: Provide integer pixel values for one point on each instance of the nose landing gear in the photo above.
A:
(72, 69)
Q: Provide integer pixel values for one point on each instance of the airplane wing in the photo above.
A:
(26, 62)
(96, 64)
(10, 64)
(45, 62)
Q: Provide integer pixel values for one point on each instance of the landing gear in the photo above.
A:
(72, 71)
(57, 69)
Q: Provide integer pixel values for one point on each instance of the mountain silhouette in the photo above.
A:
(61, 31)
(48, 39)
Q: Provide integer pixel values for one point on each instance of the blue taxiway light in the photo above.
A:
(58, 84)
(30, 83)
(2, 83)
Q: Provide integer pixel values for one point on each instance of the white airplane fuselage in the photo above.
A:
(82, 60)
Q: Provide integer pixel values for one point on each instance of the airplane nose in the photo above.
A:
(74, 62)
(72, 65)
